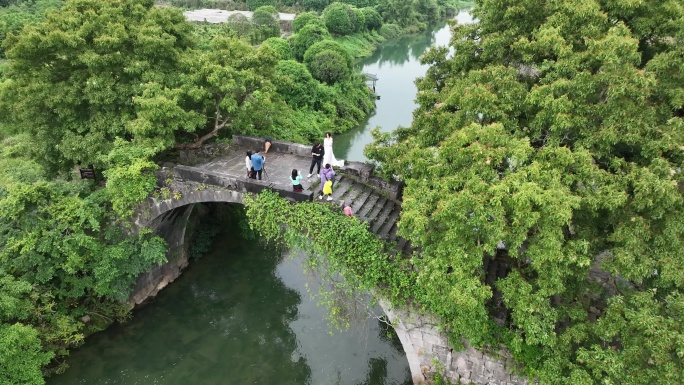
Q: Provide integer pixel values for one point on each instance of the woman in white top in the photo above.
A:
(248, 163)
(329, 156)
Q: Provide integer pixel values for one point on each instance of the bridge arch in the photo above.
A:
(420, 336)
(154, 209)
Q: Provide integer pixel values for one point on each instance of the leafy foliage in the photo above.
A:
(343, 244)
(254, 4)
(372, 19)
(15, 16)
(338, 18)
(307, 36)
(281, 46)
(21, 355)
(551, 143)
(76, 85)
(304, 19)
(328, 62)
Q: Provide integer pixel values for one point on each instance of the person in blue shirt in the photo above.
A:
(257, 164)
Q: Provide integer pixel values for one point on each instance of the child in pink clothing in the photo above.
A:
(348, 210)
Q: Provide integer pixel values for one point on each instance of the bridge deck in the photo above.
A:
(373, 200)
(278, 168)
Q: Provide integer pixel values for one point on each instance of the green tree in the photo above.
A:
(304, 19)
(316, 5)
(266, 24)
(337, 18)
(295, 84)
(281, 46)
(307, 36)
(372, 19)
(400, 12)
(328, 67)
(21, 356)
(230, 83)
(551, 144)
(240, 24)
(329, 45)
(73, 88)
(254, 4)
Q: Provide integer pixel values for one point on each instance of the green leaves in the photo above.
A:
(20, 355)
(75, 75)
(553, 130)
(130, 176)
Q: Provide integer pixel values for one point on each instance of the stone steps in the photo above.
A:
(376, 210)
(367, 206)
(390, 222)
(342, 188)
(361, 199)
(370, 206)
(384, 214)
(352, 193)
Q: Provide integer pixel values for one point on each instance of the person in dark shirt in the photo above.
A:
(317, 153)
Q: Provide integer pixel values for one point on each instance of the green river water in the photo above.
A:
(243, 314)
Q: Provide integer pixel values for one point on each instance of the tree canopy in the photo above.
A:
(550, 142)
(75, 75)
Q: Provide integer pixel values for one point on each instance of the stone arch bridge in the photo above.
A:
(217, 174)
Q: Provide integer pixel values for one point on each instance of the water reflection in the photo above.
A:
(397, 65)
(241, 315)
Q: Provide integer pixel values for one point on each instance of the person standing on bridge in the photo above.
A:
(257, 164)
(327, 177)
(317, 153)
(329, 156)
(248, 164)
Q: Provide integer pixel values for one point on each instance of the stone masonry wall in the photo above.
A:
(428, 353)
(172, 227)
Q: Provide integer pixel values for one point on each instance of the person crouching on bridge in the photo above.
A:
(296, 180)
(257, 164)
(327, 176)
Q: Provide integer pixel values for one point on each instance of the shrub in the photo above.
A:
(305, 19)
(328, 67)
(329, 45)
(389, 31)
(373, 20)
(281, 46)
(307, 36)
(254, 4)
(337, 18)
